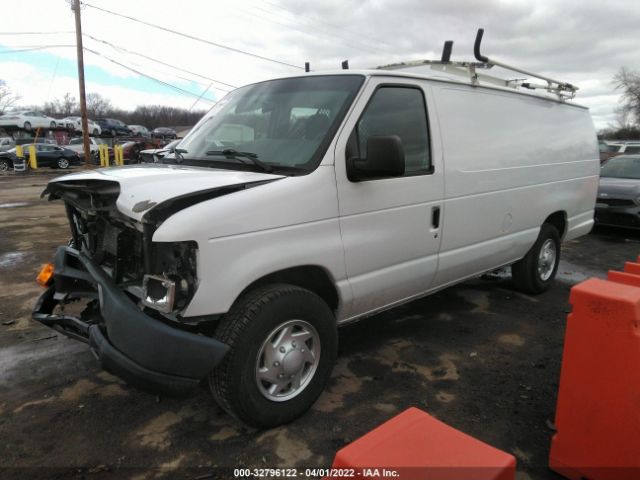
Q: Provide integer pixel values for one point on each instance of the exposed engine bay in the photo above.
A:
(123, 246)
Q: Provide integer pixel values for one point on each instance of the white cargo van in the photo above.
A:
(300, 204)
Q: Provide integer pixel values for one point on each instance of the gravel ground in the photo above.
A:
(478, 356)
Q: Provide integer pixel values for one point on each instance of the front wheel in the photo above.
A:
(536, 271)
(283, 343)
(63, 163)
(52, 125)
(4, 165)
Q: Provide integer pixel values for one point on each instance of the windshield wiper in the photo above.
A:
(234, 154)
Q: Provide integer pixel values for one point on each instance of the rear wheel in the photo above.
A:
(27, 126)
(283, 343)
(113, 132)
(95, 132)
(4, 165)
(536, 271)
(52, 125)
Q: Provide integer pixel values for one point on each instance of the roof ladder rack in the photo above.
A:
(563, 90)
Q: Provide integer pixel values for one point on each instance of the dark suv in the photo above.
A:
(113, 127)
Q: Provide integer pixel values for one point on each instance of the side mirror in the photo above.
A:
(385, 158)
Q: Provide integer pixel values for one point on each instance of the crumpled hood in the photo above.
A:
(143, 187)
(619, 187)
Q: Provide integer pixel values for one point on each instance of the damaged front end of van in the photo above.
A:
(130, 289)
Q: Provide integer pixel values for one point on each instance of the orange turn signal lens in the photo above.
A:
(45, 275)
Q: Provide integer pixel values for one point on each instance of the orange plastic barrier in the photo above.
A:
(415, 446)
(631, 267)
(623, 277)
(598, 410)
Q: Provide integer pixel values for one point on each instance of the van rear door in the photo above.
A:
(391, 226)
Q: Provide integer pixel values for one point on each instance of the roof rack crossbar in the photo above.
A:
(559, 86)
(563, 90)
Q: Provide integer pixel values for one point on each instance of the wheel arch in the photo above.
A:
(310, 277)
(559, 220)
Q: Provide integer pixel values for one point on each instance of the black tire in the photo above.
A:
(27, 126)
(526, 272)
(246, 329)
(52, 125)
(95, 132)
(5, 166)
(113, 132)
(62, 163)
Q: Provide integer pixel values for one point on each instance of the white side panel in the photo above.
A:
(497, 141)
(510, 161)
(248, 234)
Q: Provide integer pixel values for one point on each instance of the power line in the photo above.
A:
(29, 48)
(157, 80)
(36, 33)
(123, 49)
(335, 28)
(287, 24)
(192, 37)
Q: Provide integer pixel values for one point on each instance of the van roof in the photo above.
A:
(436, 76)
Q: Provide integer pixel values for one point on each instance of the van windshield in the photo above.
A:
(284, 126)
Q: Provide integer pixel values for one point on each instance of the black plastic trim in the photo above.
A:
(136, 346)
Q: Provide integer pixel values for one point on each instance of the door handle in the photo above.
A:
(435, 217)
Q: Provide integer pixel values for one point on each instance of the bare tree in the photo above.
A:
(7, 97)
(68, 105)
(97, 105)
(628, 81)
(51, 108)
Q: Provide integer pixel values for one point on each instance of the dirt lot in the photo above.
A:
(478, 356)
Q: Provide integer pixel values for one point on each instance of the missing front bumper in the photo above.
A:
(130, 344)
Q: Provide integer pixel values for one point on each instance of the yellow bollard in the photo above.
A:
(19, 151)
(103, 151)
(118, 151)
(33, 161)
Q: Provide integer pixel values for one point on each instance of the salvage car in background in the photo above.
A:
(618, 201)
(113, 126)
(164, 132)
(75, 123)
(139, 130)
(47, 155)
(154, 155)
(27, 120)
(608, 150)
(6, 143)
(77, 145)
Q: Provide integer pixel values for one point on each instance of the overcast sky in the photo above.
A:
(583, 42)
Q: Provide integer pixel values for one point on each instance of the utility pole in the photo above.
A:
(83, 100)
